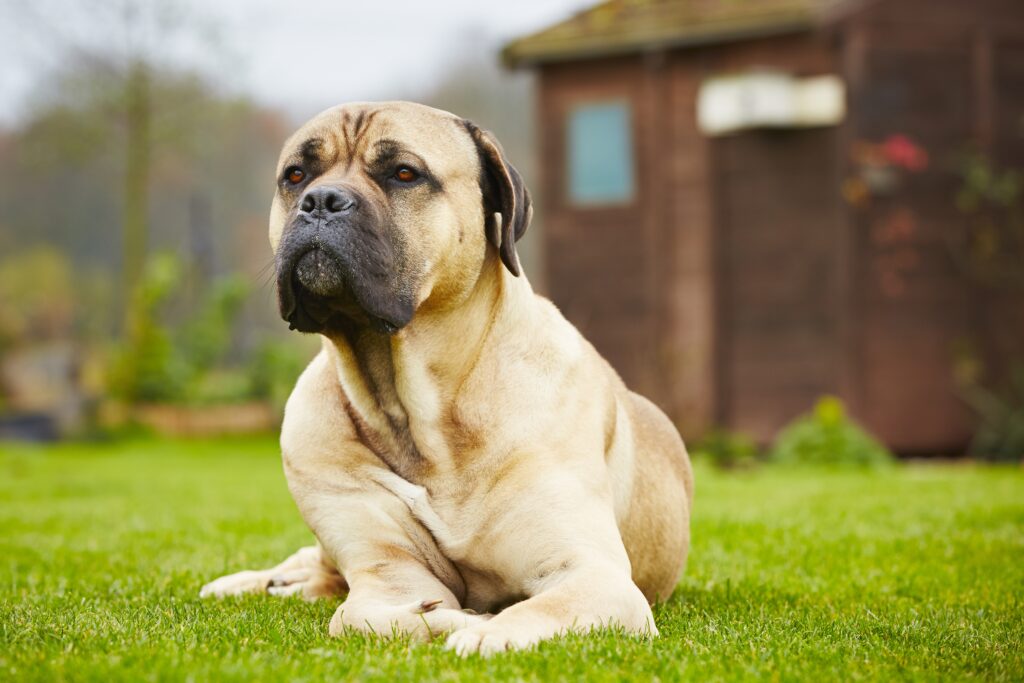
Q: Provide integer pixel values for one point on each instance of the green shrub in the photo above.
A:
(1000, 433)
(146, 366)
(827, 436)
(37, 297)
(159, 361)
(206, 337)
(274, 367)
(727, 449)
(219, 386)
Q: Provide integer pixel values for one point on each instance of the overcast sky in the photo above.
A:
(301, 57)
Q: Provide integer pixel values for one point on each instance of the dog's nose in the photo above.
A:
(328, 200)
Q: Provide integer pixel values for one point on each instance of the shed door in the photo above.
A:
(777, 225)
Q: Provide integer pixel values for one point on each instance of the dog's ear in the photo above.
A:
(503, 192)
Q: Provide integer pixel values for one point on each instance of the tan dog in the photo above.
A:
(459, 450)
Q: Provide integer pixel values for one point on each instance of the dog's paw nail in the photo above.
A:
(276, 581)
(429, 605)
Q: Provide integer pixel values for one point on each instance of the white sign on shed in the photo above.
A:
(726, 104)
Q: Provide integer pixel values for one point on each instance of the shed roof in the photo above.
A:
(621, 26)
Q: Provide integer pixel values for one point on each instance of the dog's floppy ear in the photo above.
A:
(503, 192)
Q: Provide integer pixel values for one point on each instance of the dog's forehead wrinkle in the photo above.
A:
(382, 150)
(311, 147)
(311, 144)
(431, 133)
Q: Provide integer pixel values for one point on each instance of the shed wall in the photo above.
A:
(653, 282)
(925, 69)
(603, 268)
(775, 226)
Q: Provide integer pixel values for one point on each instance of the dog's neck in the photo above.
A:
(400, 388)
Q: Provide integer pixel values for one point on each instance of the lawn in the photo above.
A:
(917, 573)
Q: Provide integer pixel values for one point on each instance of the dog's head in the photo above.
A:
(382, 207)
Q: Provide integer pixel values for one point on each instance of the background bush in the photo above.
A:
(1000, 434)
(727, 449)
(827, 436)
(193, 358)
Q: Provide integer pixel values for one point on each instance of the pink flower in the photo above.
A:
(899, 150)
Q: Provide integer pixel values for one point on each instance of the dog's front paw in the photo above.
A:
(236, 584)
(422, 619)
(490, 638)
(305, 583)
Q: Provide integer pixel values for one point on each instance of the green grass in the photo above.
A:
(912, 573)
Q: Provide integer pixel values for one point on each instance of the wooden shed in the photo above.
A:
(752, 203)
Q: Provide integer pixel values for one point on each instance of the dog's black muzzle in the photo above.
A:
(335, 265)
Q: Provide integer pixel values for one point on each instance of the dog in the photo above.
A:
(468, 463)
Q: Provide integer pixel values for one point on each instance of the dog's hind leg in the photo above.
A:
(307, 573)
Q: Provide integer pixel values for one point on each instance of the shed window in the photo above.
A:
(600, 154)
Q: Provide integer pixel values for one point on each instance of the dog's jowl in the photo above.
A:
(469, 464)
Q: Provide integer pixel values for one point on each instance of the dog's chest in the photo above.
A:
(398, 408)
(462, 528)
(428, 440)
(459, 529)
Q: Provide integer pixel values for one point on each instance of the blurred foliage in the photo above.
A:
(147, 366)
(206, 337)
(191, 332)
(63, 180)
(273, 369)
(984, 185)
(189, 357)
(727, 449)
(36, 297)
(1000, 433)
(827, 436)
(992, 200)
(184, 334)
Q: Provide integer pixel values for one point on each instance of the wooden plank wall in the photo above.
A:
(601, 260)
(779, 324)
(1003, 311)
(646, 283)
(637, 279)
(920, 69)
(776, 221)
(688, 353)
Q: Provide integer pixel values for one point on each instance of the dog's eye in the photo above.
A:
(405, 174)
(295, 175)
